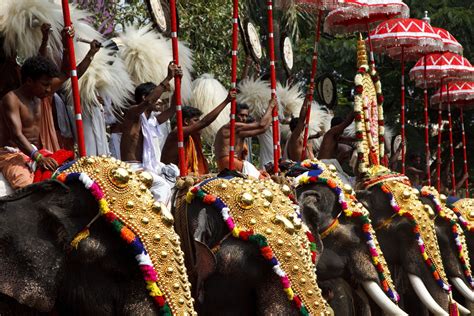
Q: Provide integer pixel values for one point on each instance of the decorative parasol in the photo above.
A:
(360, 16)
(439, 69)
(314, 6)
(461, 95)
(393, 37)
(450, 44)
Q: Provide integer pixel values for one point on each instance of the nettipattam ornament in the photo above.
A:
(145, 225)
(464, 210)
(351, 209)
(260, 212)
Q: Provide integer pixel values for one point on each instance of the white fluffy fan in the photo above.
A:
(207, 92)
(21, 20)
(106, 77)
(147, 54)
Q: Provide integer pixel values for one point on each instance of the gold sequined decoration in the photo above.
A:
(131, 201)
(261, 206)
(466, 207)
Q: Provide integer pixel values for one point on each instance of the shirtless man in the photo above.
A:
(294, 144)
(20, 115)
(242, 130)
(146, 97)
(333, 137)
(192, 126)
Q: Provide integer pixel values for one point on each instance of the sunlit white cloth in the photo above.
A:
(250, 170)
(344, 176)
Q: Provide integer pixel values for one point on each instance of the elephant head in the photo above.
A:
(351, 248)
(41, 269)
(256, 238)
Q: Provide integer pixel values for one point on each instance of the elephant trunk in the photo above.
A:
(379, 297)
(463, 288)
(425, 296)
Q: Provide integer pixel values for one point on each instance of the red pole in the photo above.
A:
(451, 146)
(177, 93)
(74, 83)
(440, 124)
(233, 105)
(427, 128)
(309, 95)
(371, 48)
(271, 49)
(466, 169)
(402, 114)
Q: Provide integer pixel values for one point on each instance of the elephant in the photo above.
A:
(240, 282)
(42, 273)
(402, 251)
(345, 266)
(446, 224)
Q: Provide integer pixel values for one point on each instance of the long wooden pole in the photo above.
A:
(427, 123)
(271, 52)
(177, 93)
(440, 136)
(466, 169)
(402, 114)
(233, 105)
(74, 82)
(309, 95)
(451, 145)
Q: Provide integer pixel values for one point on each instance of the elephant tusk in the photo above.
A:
(463, 310)
(425, 296)
(379, 297)
(463, 288)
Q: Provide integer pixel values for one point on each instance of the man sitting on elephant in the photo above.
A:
(242, 130)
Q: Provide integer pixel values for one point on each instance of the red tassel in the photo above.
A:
(453, 309)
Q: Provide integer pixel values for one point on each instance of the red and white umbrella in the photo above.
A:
(396, 35)
(439, 69)
(461, 95)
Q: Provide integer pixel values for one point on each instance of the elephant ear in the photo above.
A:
(32, 242)
(205, 261)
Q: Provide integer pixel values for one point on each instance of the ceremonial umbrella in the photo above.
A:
(450, 44)
(361, 15)
(396, 35)
(314, 6)
(461, 95)
(438, 69)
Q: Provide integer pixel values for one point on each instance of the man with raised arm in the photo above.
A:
(242, 130)
(21, 116)
(196, 163)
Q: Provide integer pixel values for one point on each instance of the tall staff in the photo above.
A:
(233, 104)
(271, 52)
(74, 82)
(309, 95)
(177, 93)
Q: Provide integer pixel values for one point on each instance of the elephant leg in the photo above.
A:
(339, 296)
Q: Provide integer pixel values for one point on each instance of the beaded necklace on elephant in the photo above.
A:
(405, 202)
(145, 225)
(259, 212)
(460, 239)
(320, 173)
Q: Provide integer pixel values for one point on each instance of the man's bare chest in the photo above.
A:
(30, 114)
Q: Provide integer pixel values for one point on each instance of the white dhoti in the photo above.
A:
(266, 147)
(340, 172)
(161, 188)
(250, 170)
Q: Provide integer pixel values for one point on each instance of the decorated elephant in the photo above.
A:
(351, 261)
(250, 233)
(47, 268)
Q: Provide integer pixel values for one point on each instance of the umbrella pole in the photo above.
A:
(309, 95)
(402, 114)
(233, 105)
(371, 48)
(440, 134)
(74, 83)
(177, 93)
(466, 169)
(451, 145)
(427, 131)
(275, 126)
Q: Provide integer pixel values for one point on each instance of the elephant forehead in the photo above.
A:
(262, 208)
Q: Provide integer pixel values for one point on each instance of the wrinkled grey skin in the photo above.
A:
(41, 273)
(401, 252)
(242, 283)
(344, 262)
(449, 251)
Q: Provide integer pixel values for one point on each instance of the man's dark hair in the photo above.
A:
(143, 90)
(242, 106)
(189, 112)
(336, 121)
(37, 66)
(293, 123)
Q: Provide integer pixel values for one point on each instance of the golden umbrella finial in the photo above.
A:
(361, 53)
